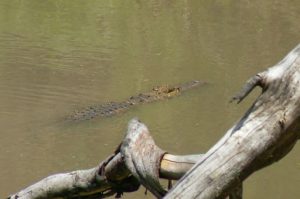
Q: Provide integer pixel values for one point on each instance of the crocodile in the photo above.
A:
(112, 108)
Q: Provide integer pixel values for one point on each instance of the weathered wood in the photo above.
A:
(237, 192)
(175, 166)
(63, 185)
(266, 133)
(142, 157)
(109, 178)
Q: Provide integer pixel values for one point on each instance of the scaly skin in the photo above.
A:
(113, 108)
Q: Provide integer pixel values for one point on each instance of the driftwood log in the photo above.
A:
(118, 172)
(265, 134)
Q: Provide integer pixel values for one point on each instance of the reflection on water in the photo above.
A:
(60, 56)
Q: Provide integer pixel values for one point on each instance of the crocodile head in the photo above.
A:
(191, 84)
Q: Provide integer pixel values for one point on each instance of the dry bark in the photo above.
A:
(142, 157)
(265, 134)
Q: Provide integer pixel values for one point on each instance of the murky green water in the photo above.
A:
(59, 56)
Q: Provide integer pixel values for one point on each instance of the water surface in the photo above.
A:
(60, 56)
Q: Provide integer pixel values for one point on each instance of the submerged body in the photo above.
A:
(113, 108)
